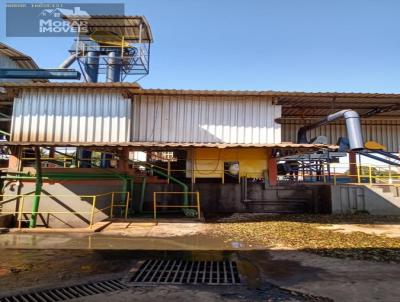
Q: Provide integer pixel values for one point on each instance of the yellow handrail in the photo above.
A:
(20, 212)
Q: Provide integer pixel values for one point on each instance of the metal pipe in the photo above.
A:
(92, 66)
(68, 61)
(125, 185)
(185, 188)
(113, 67)
(386, 161)
(60, 74)
(353, 126)
(38, 189)
(142, 195)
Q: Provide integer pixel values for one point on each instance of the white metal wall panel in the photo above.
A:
(383, 131)
(71, 115)
(205, 119)
(6, 62)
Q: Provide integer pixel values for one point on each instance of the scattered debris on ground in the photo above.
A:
(306, 232)
(387, 230)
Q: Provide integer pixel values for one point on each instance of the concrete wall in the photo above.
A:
(215, 198)
(65, 199)
(228, 198)
(6, 221)
(348, 199)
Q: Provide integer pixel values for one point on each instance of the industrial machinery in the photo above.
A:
(112, 46)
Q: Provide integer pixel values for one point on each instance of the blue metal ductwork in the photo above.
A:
(92, 67)
(31, 74)
(113, 67)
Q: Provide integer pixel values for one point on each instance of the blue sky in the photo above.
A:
(290, 45)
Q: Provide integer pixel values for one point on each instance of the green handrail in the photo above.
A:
(185, 188)
(38, 189)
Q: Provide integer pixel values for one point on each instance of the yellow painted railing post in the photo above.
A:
(127, 204)
(358, 174)
(20, 210)
(370, 174)
(112, 205)
(198, 204)
(92, 213)
(154, 205)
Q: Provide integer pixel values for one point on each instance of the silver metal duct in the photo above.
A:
(68, 61)
(353, 126)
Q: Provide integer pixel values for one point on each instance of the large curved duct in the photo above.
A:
(68, 61)
(353, 126)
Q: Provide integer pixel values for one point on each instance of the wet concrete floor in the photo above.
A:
(49, 260)
(101, 241)
(30, 270)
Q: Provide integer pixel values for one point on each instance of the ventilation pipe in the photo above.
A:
(113, 67)
(353, 126)
(92, 66)
(68, 61)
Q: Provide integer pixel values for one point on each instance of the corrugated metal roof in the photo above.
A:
(21, 59)
(72, 85)
(300, 104)
(171, 145)
(126, 26)
(335, 96)
(271, 93)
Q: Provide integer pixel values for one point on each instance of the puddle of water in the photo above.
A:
(107, 242)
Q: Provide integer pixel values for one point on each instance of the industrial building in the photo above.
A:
(81, 152)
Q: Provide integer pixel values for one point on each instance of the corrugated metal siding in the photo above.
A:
(6, 62)
(385, 132)
(71, 115)
(205, 119)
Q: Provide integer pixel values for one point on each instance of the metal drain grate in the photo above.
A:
(187, 272)
(69, 292)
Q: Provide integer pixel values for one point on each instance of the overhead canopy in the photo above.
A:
(294, 104)
(132, 28)
(307, 104)
(283, 145)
